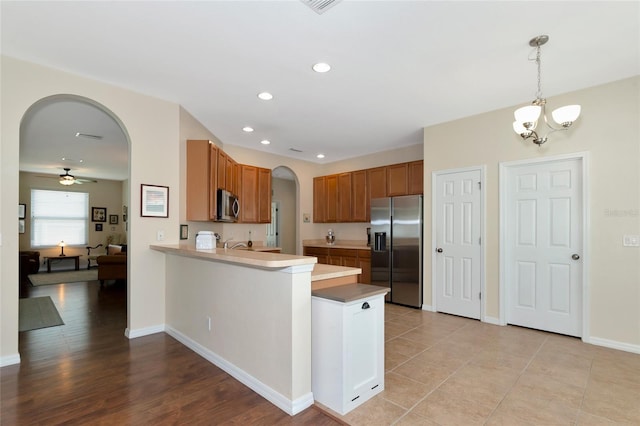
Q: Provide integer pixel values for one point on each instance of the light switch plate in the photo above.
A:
(160, 235)
(631, 241)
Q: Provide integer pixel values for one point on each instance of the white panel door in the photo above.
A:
(458, 255)
(543, 232)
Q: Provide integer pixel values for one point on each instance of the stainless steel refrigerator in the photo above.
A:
(396, 249)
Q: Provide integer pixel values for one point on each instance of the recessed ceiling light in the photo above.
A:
(265, 96)
(265, 142)
(321, 67)
(320, 156)
(247, 129)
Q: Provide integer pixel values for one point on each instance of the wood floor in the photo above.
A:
(88, 372)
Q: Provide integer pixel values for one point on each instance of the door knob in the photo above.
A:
(439, 250)
(575, 256)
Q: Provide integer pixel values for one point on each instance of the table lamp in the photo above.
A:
(61, 248)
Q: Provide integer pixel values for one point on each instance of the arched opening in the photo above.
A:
(283, 230)
(72, 132)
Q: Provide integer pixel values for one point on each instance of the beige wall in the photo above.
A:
(608, 130)
(152, 127)
(275, 353)
(105, 193)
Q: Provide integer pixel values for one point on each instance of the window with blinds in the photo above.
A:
(59, 216)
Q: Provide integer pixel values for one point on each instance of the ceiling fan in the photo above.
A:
(69, 179)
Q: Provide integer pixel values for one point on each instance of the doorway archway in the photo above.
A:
(283, 230)
(69, 131)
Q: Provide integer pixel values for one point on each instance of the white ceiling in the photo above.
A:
(398, 66)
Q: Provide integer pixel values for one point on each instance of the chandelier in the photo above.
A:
(527, 117)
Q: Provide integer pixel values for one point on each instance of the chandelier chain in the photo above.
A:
(539, 92)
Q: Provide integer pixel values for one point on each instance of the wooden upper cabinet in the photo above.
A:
(416, 179)
(319, 199)
(222, 170)
(359, 206)
(344, 197)
(397, 179)
(264, 195)
(249, 194)
(231, 182)
(202, 177)
(255, 194)
(237, 174)
(331, 209)
(377, 180)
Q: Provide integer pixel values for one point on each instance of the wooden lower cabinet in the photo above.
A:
(364, 263)
(320, 252)
(353, 258)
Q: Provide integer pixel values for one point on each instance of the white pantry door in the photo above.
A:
(543, 230)
(458, 246)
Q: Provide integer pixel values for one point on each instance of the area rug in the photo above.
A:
(45, 278)
(37, 312)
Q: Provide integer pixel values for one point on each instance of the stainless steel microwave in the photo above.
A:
(228, 206)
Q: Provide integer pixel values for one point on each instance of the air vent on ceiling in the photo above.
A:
(294, 150)
(87, 135)
(320, 6)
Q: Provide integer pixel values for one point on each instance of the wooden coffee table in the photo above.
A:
(75, 258)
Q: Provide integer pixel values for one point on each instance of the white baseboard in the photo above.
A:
(621, 346)
(10, 360)
(492, 320)
(427, 308)
(291, 407)
(139, 332)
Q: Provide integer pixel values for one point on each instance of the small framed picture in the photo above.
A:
(113, 219)
(99, 227)
(21, 226)
(22, 211)
(98, 214)
(154, 201)
(184, 232)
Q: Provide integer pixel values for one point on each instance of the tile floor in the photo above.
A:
(448, 370)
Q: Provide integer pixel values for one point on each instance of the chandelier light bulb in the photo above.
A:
(566, 115)
(528, 114)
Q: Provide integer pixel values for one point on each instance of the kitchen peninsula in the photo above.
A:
(249, 313)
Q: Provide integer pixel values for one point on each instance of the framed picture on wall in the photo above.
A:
(113, 219)
(22, 211)
(154, 201)
(98, 214)
(184, 232)
(21, 226)
(98, 227)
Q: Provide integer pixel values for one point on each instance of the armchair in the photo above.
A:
(118, 239)
(112, 267)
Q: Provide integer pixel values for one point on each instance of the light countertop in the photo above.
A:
(350, 292)
(326, 272)
(345, 244)
(254, 258)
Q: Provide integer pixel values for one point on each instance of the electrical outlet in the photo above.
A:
(160, 235)
(631, 241)
(209, 323)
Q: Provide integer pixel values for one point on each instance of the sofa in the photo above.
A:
(112, 266)
(29, 264)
